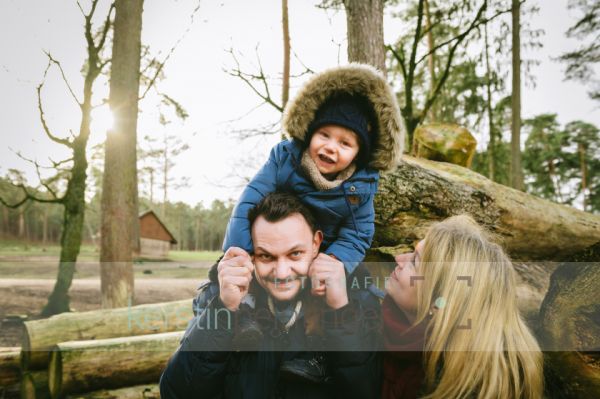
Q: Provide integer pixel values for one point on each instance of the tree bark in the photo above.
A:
(119, 192)
(570, 331)
(515, 166)
(10, 360)
(430, 61)
(285, 89)
(137, 392)
(491, 149)
(365, 32)
(582, 150)
(84, 366)
(41, 335)
(421, 192)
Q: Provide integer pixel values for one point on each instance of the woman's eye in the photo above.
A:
(324, 134)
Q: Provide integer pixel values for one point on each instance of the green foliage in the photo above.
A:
(581, 63)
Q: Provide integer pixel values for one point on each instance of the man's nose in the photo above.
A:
(282, 269)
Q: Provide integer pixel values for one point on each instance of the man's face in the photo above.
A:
(283, 251)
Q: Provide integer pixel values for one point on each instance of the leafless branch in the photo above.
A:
(52, 137)
(105, 30)
(29, 197)
(171, 51)
(267, 130)
(247, 78)
(44, 182)
(64, 77)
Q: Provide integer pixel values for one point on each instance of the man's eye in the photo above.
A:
(264, 257)
(295, 254)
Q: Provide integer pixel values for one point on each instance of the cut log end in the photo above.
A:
(55, 374)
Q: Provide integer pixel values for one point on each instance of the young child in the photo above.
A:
(345, 127)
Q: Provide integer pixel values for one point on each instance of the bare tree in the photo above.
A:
(516, 175)
(72, 169)
(285, 24)
(119, 193)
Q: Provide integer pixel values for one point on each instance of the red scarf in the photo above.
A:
(403, 372)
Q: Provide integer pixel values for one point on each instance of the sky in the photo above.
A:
(219, 105)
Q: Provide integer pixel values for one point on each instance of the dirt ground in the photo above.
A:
(27, 297)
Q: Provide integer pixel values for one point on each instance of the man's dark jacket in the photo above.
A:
(205, 367)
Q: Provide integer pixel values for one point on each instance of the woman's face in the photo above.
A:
(402, 284)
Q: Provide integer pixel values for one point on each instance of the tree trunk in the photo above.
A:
(84, 366)
(119, 192)
(365, 32)
(421, 192)
(285, 89)
(137, 392)
(570, 331)
(581, 149)
(430, 61)
(34, 385)
(21, 233)
(74, 205)
(491, 149)
(45, 226)
(41, 335)
(515, 165)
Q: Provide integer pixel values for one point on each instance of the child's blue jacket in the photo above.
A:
(345, 214)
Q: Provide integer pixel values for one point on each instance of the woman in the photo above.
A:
(451, 324)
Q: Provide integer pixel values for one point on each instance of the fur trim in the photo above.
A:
(354, 79)
(319, 181)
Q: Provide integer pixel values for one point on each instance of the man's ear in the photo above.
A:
(317, 240)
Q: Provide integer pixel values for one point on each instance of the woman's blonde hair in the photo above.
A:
(477, 344)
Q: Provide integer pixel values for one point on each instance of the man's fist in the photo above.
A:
(328, 278)
(235, 273)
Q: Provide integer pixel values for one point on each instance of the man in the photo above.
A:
(285, 274)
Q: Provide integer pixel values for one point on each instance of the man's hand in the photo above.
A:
(328, 279)
(235, 273)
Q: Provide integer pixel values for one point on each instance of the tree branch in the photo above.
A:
(431, 99)
(29, 197)
(105, 30)
(400, 58)
(64, 77)
(246, 78)
(52, 137)
(465, 33)
(171, 51)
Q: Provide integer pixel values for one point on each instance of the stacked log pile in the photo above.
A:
(112, 353)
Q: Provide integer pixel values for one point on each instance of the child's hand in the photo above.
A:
(235, 275)
(328, 279)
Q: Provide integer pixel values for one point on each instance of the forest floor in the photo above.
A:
(27, 276)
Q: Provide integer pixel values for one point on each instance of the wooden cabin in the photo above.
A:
(155, 238)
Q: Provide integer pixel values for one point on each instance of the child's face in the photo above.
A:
(333, 148)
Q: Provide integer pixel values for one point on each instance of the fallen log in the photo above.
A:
(84, 366)
(34, 385)
(136, 392)
(41, 335)
(420, 192)
(10, 358)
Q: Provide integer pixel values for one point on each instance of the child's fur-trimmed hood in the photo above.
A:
(355, 79)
